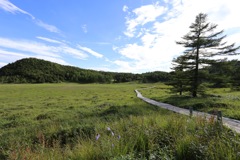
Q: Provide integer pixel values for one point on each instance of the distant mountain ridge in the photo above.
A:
(33, 70)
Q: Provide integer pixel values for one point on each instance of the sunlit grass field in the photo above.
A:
(221, 99)
(103, 121)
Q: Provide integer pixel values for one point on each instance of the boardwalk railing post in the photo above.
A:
(191, 111)
(219, 119)
(219, 116)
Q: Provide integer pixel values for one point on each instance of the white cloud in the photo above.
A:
(29, 47)
(49, 40)
(88, 50)
(9, 7)
(154, 46)
(143, 15)
(125, 66)
(72, 51)
(234, 38)
(53, 59)
(5, 53)
(125, 8)
(41, 49)
(50, 28)
(10, 56)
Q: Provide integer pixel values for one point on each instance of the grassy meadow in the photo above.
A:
(222, 99)
(105, 121)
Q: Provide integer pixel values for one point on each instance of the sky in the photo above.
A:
(134, 36)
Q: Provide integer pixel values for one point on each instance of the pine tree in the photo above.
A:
(221, 73)
(180, 77)
(201, 44)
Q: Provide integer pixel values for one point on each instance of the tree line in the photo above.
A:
(32, 70)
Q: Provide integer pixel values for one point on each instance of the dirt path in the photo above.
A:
(231, 123)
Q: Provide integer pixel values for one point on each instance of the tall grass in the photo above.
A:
(71, 121)
(224, 99)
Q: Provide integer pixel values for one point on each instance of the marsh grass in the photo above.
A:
(61, 121)
(224, 99)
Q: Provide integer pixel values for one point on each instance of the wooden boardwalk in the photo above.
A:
(231, 123)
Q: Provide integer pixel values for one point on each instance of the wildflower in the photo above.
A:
(97, 137)
(119, 137)
(108, 128)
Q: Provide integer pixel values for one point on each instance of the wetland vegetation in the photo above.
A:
(103, 121)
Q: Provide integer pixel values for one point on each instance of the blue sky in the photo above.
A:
(122, 35)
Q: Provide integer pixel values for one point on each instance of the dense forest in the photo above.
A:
(32, 70)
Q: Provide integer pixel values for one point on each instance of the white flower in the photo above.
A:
(97, 137)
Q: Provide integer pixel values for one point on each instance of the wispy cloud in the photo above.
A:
(52, 59)
(10, 56)
(49, 40)
(29, 47)
(32, 48)
(9, 7)
(97, 43)
(53, 51)
(50, 28)
(73, 51)
(16, 55)
(5, 54)
(84, 28)
(88, 50)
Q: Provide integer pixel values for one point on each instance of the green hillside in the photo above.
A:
(32, 70)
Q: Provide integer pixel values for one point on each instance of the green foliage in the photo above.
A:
(222, 73)
(181, 77)
(32, 70)
(157, 76)
(61, 121)
(236, 75)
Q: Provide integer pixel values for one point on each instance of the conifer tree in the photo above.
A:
(202, 43)
(180, 77)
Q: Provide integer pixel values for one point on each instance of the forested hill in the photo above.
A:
(32, 70)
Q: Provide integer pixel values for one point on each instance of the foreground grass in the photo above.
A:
(72, 121)
(224, 99)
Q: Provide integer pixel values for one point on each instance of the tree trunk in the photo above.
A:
(180, 93)
(181, 89)
(195, 81)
